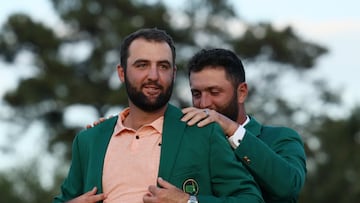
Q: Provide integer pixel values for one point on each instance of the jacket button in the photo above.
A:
(246, 160)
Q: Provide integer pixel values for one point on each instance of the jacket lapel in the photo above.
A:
(173, 130)
(254, 127)
(104, 133)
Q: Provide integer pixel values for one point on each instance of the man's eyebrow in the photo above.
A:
(207, 88)
(165, 61)
(140, 61)
(147, 61)
(214, 89)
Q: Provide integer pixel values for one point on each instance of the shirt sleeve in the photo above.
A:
(237, 137)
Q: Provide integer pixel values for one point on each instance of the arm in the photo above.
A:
(230, 179)
(208, 159)
(166, 192)
(72, 185)
(276, 154)
(286, 154)
(89, 197)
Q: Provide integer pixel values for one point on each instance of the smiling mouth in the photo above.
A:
(152, 90)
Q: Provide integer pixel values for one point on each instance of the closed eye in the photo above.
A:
(195, 94)
(214, 93)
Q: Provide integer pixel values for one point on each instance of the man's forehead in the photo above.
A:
(206, 88)
(208, 76)
(145, 50)
(141, 43)
(209, 79)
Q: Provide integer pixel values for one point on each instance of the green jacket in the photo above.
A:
(276, 158)
(201, 154)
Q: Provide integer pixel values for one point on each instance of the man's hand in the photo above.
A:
(167, 193)
(203, 117)
(89, 197)
(102, 119)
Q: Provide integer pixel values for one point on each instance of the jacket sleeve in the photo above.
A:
(72, 185)
(231, 181)
(277, 161)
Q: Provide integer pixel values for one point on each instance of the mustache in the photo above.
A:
(152, 83)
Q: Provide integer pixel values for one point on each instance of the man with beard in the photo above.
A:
(146, 153)
(274, 155)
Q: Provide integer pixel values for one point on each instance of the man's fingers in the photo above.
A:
(97, 197)
(201, 117)
(194, 116)
(205, 122)
(148, 198)
(187, 109)
(89, 197)
(102, 119)
(164, 184)
(95, 123)
(152, 189)
(188, 114)
(92, 191)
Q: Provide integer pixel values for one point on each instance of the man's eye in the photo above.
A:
(164, 66)
(141, 65)
(195, 94)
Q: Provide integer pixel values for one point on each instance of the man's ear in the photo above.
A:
(175, 70)
(242, 92)
(121, 72)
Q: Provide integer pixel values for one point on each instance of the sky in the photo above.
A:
(333, 24)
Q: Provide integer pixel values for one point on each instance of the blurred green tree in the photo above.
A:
(337, 165)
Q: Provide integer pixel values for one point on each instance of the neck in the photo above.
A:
(138, 118)
(241, 115)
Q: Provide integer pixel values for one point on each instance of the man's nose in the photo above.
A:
(205, 101)
(153, 73)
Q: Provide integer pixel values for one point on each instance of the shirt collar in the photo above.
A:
(156, 124)
(246, 121)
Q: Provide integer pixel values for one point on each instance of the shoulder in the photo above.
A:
(280, 133)
(106, 126)
(172, 119)
(280, 130)
(211, 128)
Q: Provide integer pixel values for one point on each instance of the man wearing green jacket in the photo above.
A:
(274, 155)
(146, 154)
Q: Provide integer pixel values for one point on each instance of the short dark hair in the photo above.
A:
(231, 63)
(150, 34)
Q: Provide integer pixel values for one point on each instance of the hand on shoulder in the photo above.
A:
(203, 117)
(95, 123)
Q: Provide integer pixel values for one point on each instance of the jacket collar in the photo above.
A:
(254, 126)
(103, 133)
(173, 130)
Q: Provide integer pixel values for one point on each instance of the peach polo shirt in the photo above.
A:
(132, 161)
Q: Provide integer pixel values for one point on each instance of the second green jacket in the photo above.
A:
(276, 158)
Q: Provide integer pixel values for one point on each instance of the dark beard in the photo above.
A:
(143, 102)
(231, 110)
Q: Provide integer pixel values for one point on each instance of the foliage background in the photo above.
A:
(73, 66)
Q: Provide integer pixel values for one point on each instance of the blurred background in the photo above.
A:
(58, 73)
